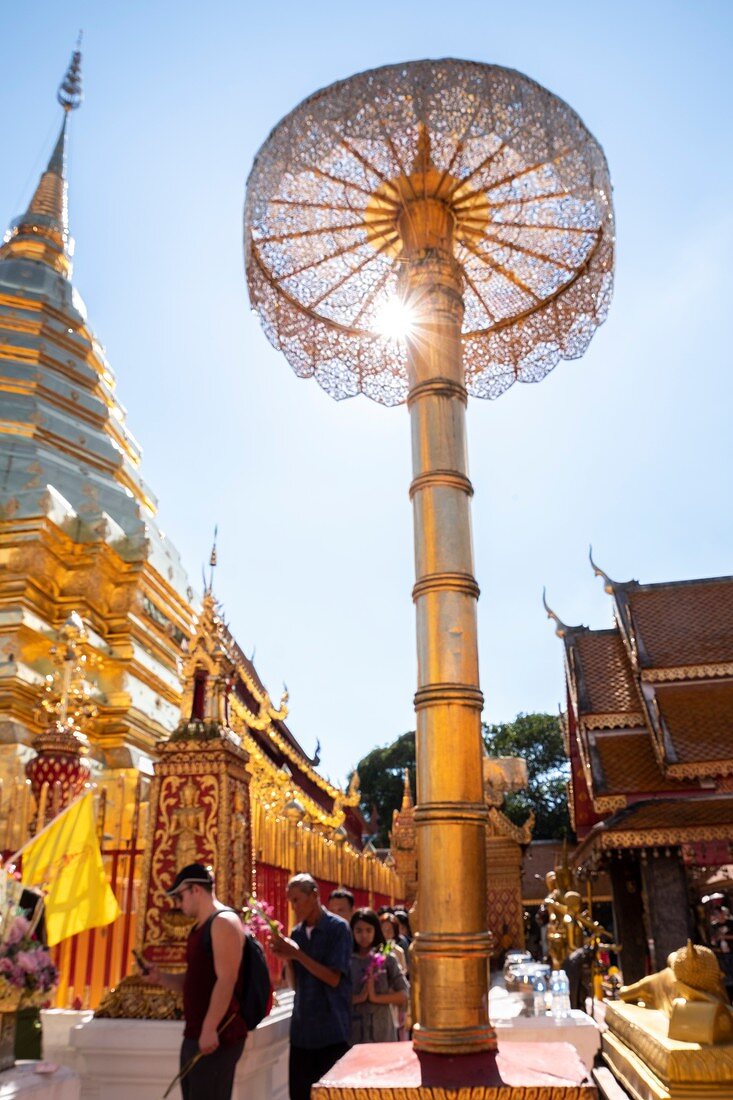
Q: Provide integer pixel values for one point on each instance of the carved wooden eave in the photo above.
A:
(500, 825)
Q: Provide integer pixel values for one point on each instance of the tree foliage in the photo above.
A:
(381, 775)
(535, 737)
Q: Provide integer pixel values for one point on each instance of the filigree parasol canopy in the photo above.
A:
(529, 196)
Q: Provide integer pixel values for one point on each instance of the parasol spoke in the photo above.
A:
(479, 295)
(314, 232)
(299, 204)
(479, 168)
(507, 273)
(529, 252)
(316, 263)
(364, 160)
(337, 179)
(350, 275)
(544, 228)
(460, 145)
(369, 299)
(512, 177)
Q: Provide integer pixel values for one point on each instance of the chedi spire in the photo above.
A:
(42, 232)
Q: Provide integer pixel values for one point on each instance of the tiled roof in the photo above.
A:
(627, 764)
(661, 821)
(684, 623)
(699, 719)
(682, 813)
(606, 674)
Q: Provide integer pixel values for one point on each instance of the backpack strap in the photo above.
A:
(206, 940)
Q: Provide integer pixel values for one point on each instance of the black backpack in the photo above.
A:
(253, 988)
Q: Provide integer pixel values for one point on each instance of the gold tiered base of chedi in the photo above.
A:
(651, 1066)
(396, 1071)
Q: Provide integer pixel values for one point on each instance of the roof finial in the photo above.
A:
(407, 802)
(69, 92)
(608, 583)
(561, 628)
(212, 560)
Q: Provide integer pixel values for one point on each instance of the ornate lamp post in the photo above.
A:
(420, 232)
(59, 766)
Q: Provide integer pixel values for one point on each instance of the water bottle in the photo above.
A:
(560, 990)
(540, 995)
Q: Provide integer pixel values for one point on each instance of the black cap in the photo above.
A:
(192, 875)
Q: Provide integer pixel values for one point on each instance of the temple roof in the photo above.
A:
(660, 822)
(679, 623)
(652, 698)
(698, 720)
(606, 683)
(624, 763)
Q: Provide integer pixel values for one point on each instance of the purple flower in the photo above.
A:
(18, 929)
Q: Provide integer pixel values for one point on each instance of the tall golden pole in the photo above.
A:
(452, 945)
(500, 241)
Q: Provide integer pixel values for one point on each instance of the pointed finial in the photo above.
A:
(70, 92)
(423, 159)
(608, 583)
(407, 802)
(561, 628)
(212, 562)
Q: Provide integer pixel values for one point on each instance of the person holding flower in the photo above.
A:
(378, 982)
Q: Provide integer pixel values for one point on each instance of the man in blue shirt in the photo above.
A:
(319, 957)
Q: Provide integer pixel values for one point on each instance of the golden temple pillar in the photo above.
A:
(453, 944)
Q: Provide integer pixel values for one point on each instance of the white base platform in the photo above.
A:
(22, 1081)
(578, 1029)
(119, 1059)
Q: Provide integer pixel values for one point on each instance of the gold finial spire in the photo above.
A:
(42, 232)
(70, 92)
(407, 802)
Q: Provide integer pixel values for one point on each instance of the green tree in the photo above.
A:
(381, 775)
(537, 738)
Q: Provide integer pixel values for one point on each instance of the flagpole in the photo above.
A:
(11, 862)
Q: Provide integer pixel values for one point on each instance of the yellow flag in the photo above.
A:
(64, 861)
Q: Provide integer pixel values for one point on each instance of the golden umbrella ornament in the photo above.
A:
(419, 233)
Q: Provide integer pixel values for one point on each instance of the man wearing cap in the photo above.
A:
(214, 1026)
(319, 955)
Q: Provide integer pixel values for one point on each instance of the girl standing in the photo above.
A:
(378, 982)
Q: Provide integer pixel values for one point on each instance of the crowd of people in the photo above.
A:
(349, 968)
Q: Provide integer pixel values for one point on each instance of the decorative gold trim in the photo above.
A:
(699, 769)
(659, 838)
(608, 804)
(633, 720)
(686, 672)
(433, 479)
(446, 582)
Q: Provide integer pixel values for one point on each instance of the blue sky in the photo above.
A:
(628, 448)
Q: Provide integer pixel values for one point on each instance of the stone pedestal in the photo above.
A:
(653, 1067)
(120, 1059)
(520, 1071)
